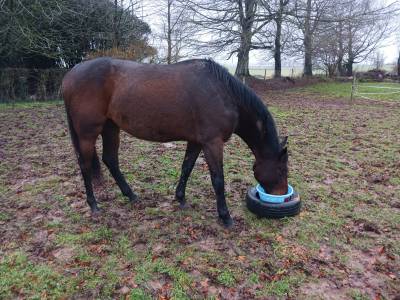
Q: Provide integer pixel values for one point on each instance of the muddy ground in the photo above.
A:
(345, 244)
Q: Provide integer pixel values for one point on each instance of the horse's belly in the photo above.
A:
(155, 134)
(155, 126)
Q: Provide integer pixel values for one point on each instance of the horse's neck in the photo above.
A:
(248, 130)
(252, 130)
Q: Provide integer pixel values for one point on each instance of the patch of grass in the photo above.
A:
(124, 249)
(4, 216)
(110, 277)
(139, 294)
(59, 198)
(42, 185)
(358, 295)
(144, 272)
(83, 256)
(280, 113)
(334, 89)
(3, 189)
(180, 278)
(282, 287)
(55, 224)
(395, 181)
(150, 269)
(226, 278)
(102, 233)
(29, 104)
(254, 278)
(154, 211)
(21, 277)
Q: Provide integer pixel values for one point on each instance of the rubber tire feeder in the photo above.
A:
(272, 210)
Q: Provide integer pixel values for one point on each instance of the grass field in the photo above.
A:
(373, 90)
(345, 244)
(297, 71)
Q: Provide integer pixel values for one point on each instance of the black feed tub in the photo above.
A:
(272, 210)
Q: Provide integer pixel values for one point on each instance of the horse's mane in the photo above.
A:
(247, 99)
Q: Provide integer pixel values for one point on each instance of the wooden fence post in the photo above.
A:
(353, 87)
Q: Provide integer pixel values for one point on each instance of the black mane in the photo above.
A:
(248, 100)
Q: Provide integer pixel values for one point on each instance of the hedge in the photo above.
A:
(19, 84)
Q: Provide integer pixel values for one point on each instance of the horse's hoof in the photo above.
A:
(133, 198)
(96, 213)
(184, 205)
(227, 222)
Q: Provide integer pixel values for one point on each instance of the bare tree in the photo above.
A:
(232, 26)
(327, 52)
(330, 45)
(173, 28)
(176, 29)
(308, 16)
(379, 60)
(348, 33)
(366, 24)
(278, 11)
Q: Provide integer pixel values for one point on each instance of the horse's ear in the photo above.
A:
(283, 155)
(283, 141)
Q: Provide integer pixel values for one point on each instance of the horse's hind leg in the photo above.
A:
(192, 152)
(86, 156)
(110, 136)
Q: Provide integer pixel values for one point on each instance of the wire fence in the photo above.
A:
(269, 72)
(372, 91)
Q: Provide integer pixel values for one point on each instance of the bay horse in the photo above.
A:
(197, 101)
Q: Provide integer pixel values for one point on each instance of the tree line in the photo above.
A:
(330, 34)
(60, 33)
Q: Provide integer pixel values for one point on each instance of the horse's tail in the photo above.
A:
(96, 168)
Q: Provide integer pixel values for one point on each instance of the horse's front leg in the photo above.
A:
(192, 152)
(213, 153)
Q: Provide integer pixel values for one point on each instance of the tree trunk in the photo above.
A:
(246, 21)
(340, 66)
(242, 67)
(341, 69)
(350, 61)
(398, 65)
(115, 27)
(169, 32)
(277, 49)
(349, 67)
(308, 42)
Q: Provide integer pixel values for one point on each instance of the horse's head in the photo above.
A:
(271, 171)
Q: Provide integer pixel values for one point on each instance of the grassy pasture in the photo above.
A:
(387, 91)
(345, 244)
(297, 71)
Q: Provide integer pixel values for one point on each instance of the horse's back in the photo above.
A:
(168, 102)
(152, 102)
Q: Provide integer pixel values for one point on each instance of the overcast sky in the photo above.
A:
(152, 10)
